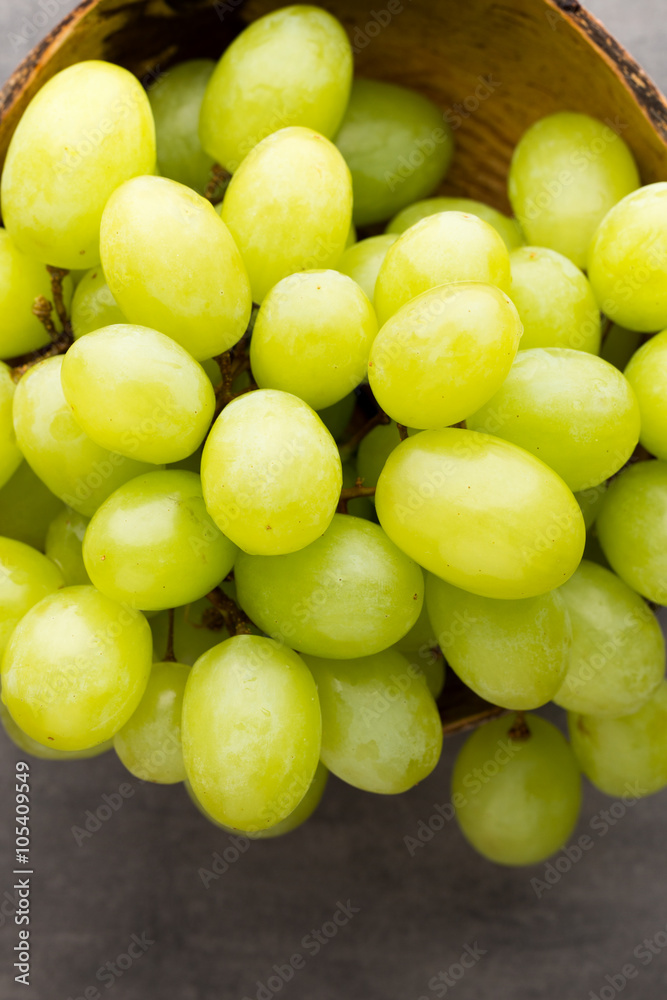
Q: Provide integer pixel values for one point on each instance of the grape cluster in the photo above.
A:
(260, 478)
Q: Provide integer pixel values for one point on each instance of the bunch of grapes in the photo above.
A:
(260, 478)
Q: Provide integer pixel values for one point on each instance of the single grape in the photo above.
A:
(647, 374)
(619, 345)
(573, 410)
(632, 528)
(337, 416)
(444, 353)
(517, 793)
(64, 542)
(93, 305)
(505, 226)
(271, 473)
(288, 207)
(628, 755)
(381, 731)
(397, 145)
(197, 628)
(251, 732)
(512, 653)
(291, 67)
(88, 129)
(26, 576)
(153, 545)
(590, 503)
(75, 668)
(22, 280)
(555, 301)
(627, 261)
(350, 593)
(26, 744)
(74, 467)
(175, 100)
(449, 246)
(149, 744)
(480, 513)
(138, 392)
(27, 508)
(567, 171)
(374, 450)
(312, 337)
(10, 455)
(363, 260)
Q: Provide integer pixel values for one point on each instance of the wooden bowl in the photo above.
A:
(493, 68)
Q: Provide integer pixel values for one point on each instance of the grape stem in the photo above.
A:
(352, 493)
(349, 447)
(402, 431)
(217, 184)
(57, 275)
(235, 619)
(169, 656)
(60, 342)
(519, 729)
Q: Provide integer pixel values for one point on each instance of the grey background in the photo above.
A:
(138, 874)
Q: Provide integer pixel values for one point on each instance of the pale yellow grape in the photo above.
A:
(289, 207)
(421, 638)
(573, 410)
(175, 100)
(93, 305)
(555, 301)
(10, 454)
(35, 749)
(374, 450)
(172, 265)
(64, 541)
(149, 744)
(444, 353)
(647, 374)
(381, 731)
(617, 659)
(449, 246)
(512, 653)
(567, 171)
(22, 280)
(480, 513)
(507, 227)
(251, 732)
(312, 337)
(27, 507)
(362, 261)
(74, 467)
(26, 576)
(75, 668)
(135, 391)
(85, 132)
(291, 67)
(271, 473)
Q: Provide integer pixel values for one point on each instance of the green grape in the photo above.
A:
(350, 593)
(567, 171)
(153, 545)
(291, 67)
(361, 506)
(75, 668)
(506, 227)
(271, 473)
(64, 542)
(76, 274)
(88, 129)
(288, 207)
(617, 658)
(593, 550)
(374, 450)
(10, 455)
(627, 261)
(76, 469)
(555, 301)
(22, 280)
(381, 731)
(397, 145)
(647, 374)
(172, 265)
(139, 393)
(26, 576)
(251, 732)
(632, 528)
(197, 628)
(337, 416)
(351, 236)
(625, 756)
(619, 345)
(480, 513)
(512, 653)
(35, 749)
(449, 246)
(421, 639)
(590, 503)
(517, 798)
(433, 669)
(312, 337)
(93, 305)
(175, 101)
(149, 744)
(27, 508)
(571, 409)
(444, 353)
(363, 260)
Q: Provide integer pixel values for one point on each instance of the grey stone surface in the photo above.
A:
(138, 874)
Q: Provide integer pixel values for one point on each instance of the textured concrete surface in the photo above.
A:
(412, 916)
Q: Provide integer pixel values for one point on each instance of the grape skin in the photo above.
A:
(506, 227)
(26, 576)
(175, 100)
(64, 546)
